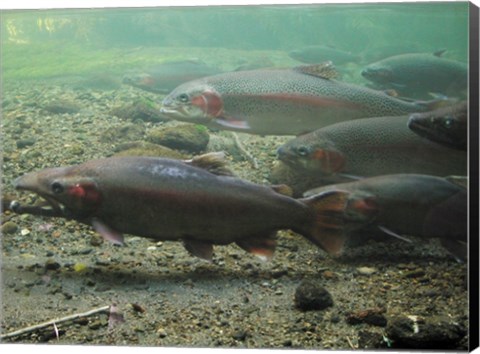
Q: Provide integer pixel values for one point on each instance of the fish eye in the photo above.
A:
(57, 187)
(302, 150)
(183, 98)
(448, 122)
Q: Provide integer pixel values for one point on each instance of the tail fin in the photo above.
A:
(328, 230)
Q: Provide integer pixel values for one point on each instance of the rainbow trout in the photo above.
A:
(447, 125)
(279, 101)
(404, 204)
(419, 74)
(371, 147)
(198, 202)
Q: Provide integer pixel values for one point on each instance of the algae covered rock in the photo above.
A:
(188, 137)
(141, 148)
(127, 132)
(142, 108)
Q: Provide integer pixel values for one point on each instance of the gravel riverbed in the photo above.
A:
(53, 268)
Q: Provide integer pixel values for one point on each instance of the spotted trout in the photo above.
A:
(370, 147)
(419, 74)
(198, 202)
(279, 101)
(447, 125)
(404, 204)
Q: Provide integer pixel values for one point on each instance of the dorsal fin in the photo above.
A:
(213, 162)
(461, 181)
(282, 189)
(439, 53)
(324, 70)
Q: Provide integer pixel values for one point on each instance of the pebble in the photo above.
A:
(309, 295)
(161, 333)
(9, 227)
(22, 143)
(51, 264)
(366, 270)
(239, 335)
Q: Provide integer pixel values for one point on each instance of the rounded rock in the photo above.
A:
(309, 295)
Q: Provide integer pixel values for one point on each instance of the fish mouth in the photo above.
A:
(415, 125)
(184, 113)
(169, 111)
(52, 207)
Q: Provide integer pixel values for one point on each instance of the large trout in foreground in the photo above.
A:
(198, 202)
(280, 101)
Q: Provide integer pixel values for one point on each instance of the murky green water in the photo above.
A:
(43, 43)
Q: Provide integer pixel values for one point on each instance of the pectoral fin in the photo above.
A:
(199, 249)
(233, 123)
(391, 233)
(107, 232)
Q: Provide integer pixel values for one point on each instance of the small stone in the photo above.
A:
(287, 343)
(328, 274)
(95, 325)
(311, 296)
(239, 335)
(52, 265)
(25, 232)
(23, 143)
(9, 227)
(161, 333)
(366, 270)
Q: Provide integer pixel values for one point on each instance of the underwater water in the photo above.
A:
(324, 102)
(45, 43)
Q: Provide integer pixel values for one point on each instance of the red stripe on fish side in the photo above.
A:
(309, 100)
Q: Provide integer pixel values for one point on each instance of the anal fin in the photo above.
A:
(262, 247)
(199, 249)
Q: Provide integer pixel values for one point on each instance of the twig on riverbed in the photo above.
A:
(244, 152)
(351, 344)
(54, 322)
